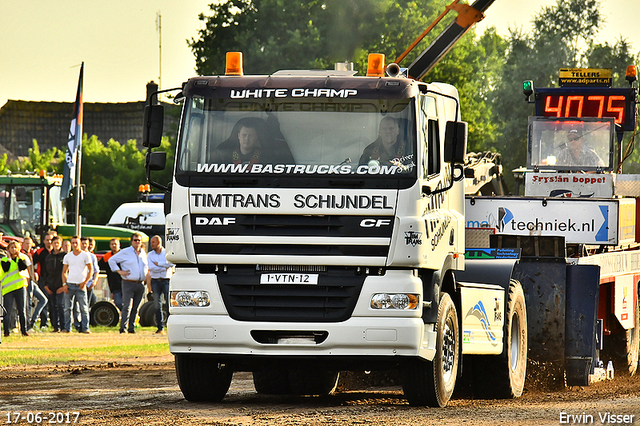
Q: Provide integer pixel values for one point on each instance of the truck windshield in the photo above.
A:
(571, 144)
(22, 209)
(364, 137)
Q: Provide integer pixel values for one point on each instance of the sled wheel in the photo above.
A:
(143, 314)
(104, 314)
(312, 381)
(623, 346)
(272, 381)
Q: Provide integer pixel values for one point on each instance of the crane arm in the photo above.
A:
(467, 16)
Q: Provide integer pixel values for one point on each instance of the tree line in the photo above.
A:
(110, 173)
(487, 69)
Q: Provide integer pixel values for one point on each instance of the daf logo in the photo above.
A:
(215, 221)
(374, 223)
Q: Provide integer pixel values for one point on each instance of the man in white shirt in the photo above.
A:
(131, 264)
(158, 280)
(76, 272)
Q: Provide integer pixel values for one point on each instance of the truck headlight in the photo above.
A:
(190, 298)
(401, 301)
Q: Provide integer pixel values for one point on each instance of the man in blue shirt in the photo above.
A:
(131, 264)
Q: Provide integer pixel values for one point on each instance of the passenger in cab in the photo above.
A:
(387, 147)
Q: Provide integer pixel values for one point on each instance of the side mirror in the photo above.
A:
(152, 126)
(455, 142)
(156, 160)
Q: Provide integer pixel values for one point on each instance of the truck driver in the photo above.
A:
(245, 145)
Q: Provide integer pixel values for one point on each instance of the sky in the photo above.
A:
(43, 42)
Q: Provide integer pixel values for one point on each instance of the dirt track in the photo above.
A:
(146, 392)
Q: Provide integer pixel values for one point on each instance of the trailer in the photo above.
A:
(576, 226)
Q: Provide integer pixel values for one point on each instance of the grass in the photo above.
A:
(105, 344)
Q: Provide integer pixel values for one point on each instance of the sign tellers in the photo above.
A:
(585, 76)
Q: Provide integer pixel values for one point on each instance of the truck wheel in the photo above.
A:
(143, 314)
(623, 347)
(311, 381)
(149, 315)
(272, 381)
(503, 376)
(104, 314)
(633, 352)
(432, 382)
(202, 378)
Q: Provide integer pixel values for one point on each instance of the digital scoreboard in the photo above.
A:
(598, 102)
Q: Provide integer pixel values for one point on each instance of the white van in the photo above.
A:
(142, 216)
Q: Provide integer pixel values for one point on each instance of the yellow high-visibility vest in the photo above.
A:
(12, 279)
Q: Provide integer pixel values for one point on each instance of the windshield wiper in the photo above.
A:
(350, 183)
(240, 182)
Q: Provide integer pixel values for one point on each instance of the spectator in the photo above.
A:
(66, 246)
(15, 273)
(87, 246)
(53, 287)
(33, 289)
(38, 263)
(76, 273)
(131, 264)
(113, 278)
(158, 283)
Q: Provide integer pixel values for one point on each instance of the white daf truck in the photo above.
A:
(317, 221)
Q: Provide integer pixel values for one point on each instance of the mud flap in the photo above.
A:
(583, 282)
(489, 275)
(544, 284)
(562, 303)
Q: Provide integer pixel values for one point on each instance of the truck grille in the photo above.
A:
(331, 300)
(338, 227)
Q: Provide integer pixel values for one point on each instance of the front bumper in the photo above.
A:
(360, 336)
(365, 333)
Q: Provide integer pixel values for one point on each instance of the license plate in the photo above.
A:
(289, 279)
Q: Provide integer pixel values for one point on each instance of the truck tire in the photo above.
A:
(311, 381)
(431, 383)
(149, 315)
(143, 314)
(504, 376)
(104, 314)
(272, 381)
(202, 378)
(623, 347)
